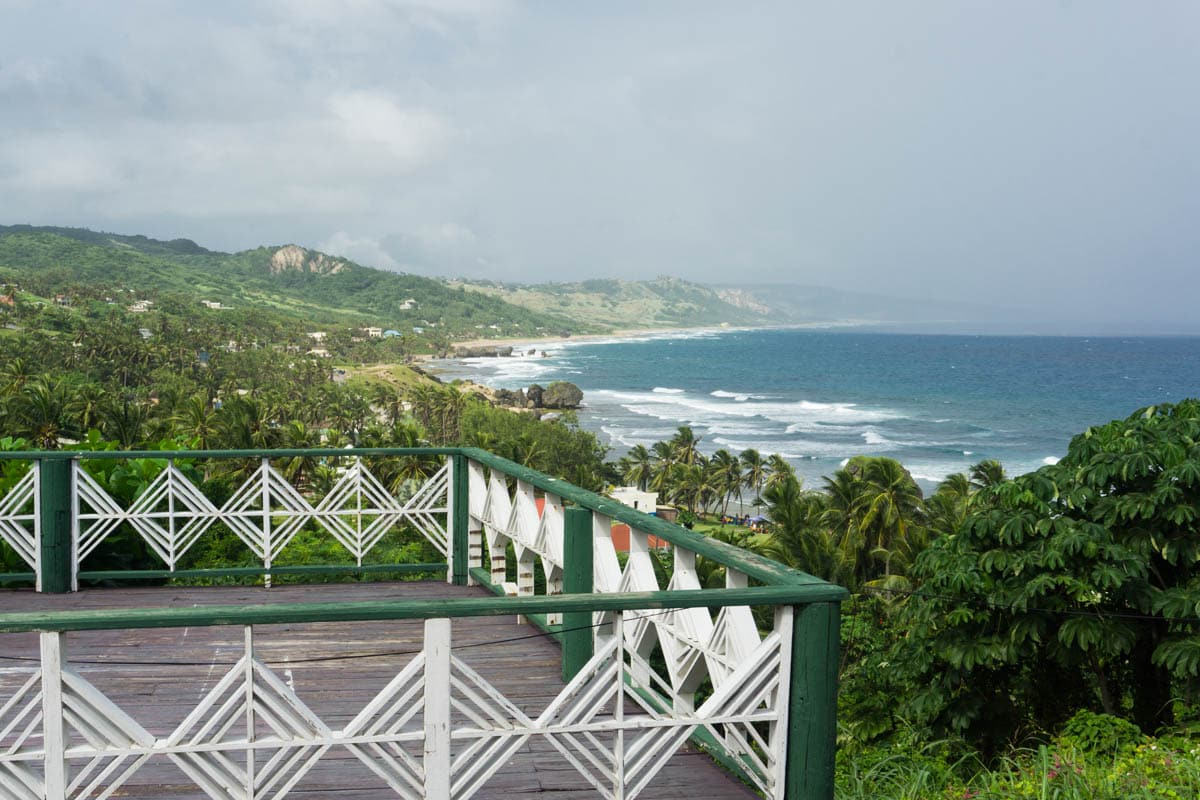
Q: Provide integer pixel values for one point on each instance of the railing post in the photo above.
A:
(54, 522)
(812, 718)
(577, 579)
(436, 760)
(54, 737)
(460, 534)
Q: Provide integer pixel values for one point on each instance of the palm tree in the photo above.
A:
(946, 509)
(877, 511)
(726, 475)
(664, 466)
(778, 470)
(800, 537)
(986, 474)
(685, 445)
(42, 412)
(196, 420)
(299, 469)
(389, 401)
(754, 472)
(637, 466)
(125, 419)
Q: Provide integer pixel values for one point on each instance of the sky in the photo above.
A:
(1037, 156)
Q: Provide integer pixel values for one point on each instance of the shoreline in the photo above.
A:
(632, 333)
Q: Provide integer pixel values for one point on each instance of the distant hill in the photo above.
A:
(800, 304)
(663, 302)
(319, 288)
(290, 280)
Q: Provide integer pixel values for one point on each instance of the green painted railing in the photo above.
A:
(491, 512)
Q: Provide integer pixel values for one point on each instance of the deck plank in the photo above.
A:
(176, 667)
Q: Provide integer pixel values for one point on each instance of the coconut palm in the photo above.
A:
(754, 472)
(43, 412)
(779, 470)
(664, 467)
(726, 477)
(637, 466)
(686, 445)
(196, 420)
(986, 474)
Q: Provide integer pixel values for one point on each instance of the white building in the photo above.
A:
(635, 498)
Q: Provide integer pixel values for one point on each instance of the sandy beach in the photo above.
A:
(629, 333)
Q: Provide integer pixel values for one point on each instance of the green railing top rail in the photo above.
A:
(751, 564)
(286, 613)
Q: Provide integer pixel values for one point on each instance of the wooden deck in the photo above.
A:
(335, 668)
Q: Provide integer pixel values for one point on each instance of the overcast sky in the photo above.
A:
(1035, 154)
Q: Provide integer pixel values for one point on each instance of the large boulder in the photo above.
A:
(562, 394)
(534, 396)
(510, 398)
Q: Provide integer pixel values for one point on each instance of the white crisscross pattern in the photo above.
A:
(18, 518)
(265, 512)
(251, 736)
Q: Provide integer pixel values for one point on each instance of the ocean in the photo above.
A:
(937, 404)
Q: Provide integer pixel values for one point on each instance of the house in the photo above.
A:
(408, 305)
(62, 300)
(373, 333)
(390, 334)
(141, 306)
(635, 498)
(214, 305)
(418, 330)
(145, 333)
(620, 533)
(319, 352)
(317, 336)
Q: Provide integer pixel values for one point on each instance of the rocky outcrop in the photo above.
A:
(292, 258)
(509, 398)
(558, 395)
(483, 351)
(562, 394)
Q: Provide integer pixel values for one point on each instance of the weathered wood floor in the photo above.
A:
(192, 660)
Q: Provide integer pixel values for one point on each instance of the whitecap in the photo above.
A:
(1050, 461)
(666, 390)
(872, 436)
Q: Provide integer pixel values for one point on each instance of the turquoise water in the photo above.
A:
(936, 403)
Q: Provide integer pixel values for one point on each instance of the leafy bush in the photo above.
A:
(1101, 734)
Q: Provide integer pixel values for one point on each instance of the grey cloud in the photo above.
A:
(1039, 156)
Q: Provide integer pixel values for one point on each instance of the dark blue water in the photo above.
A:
(936, 403)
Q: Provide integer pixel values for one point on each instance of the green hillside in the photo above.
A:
(664, 302)
(291, 281)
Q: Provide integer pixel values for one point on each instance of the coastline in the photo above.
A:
(632, 333)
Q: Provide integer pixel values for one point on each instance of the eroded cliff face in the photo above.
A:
(292, 258)
(741, 299)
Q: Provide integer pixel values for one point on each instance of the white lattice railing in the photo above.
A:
(671, 654)
(438, 729)
(689, 661)
(264, 511)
